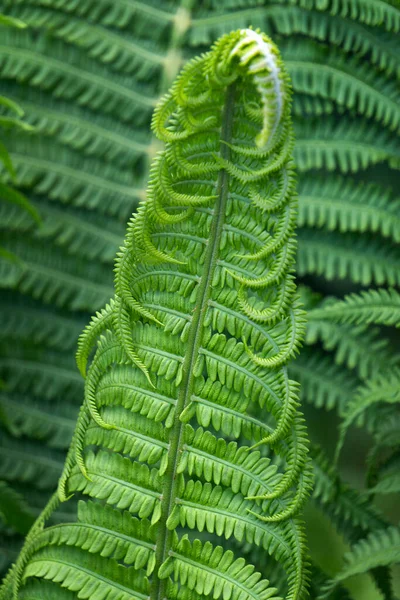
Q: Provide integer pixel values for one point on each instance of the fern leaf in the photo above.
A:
(380, 548)
(344, 145)
(384, 388)
(85, 172)
(9, 195)
(388, 481)
(46, 375)
(372, 13)
(57, 278)
(69, 180)
(287, 19)
(36, 420)
(386, 432)
(194, 334)
(315, 69)
(67, 123)
(381, 307)
(106, 532)
(31, 323)
(77, 570)
(350, 510)
(29, 463)
(341, 204)
(44, 590)
(360, 259)
(360, 348)
(49, 71)
(14, 511)
(137, 16)
(122, 53)
(204, 568)
(323, 383)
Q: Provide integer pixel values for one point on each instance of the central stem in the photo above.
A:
(164, 539)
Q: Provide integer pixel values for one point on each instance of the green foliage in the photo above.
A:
(10, 119)
(14, 512)
(378, 549)
(381, 307)
(204, 320)
(87, 75)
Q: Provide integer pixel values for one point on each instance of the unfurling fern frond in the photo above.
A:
(196, 340)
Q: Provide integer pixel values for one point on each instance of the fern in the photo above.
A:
(349, 509)
(78, 137)
(347, 344)
(323, 383)
(14, 511)
(345, 205)
(384, 388)
(195, 253)
(375, 306)
(378, 549)
(359, 259)
(11, 120)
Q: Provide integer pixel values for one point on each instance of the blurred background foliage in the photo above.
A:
(82, 78)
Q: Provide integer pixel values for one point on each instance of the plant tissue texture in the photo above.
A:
(189, 461)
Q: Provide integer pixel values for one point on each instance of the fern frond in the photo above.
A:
(14, 511)
(386, 432)
(207, 569)
(91, 184)
(57, 278)
(287, 19)
(350, 510)
(30, 323)
(121, 52)
(345, 145)
(387, 480)
(137, 16)
(381, 548)
(323, 383)
(101, 136)
(107, 532)
(93, 70)
(371, 13)
(344, 205)
(29, 463)
(383, 388)
(361, 259)
(347, 81)
(8, 194)
(177, 349)
(36, 420)
(47, 69)
(44, 590)
(358, 347)
(75, 570)
(381, 307)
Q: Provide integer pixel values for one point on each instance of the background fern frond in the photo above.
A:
(378, 549)
(381, 307)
